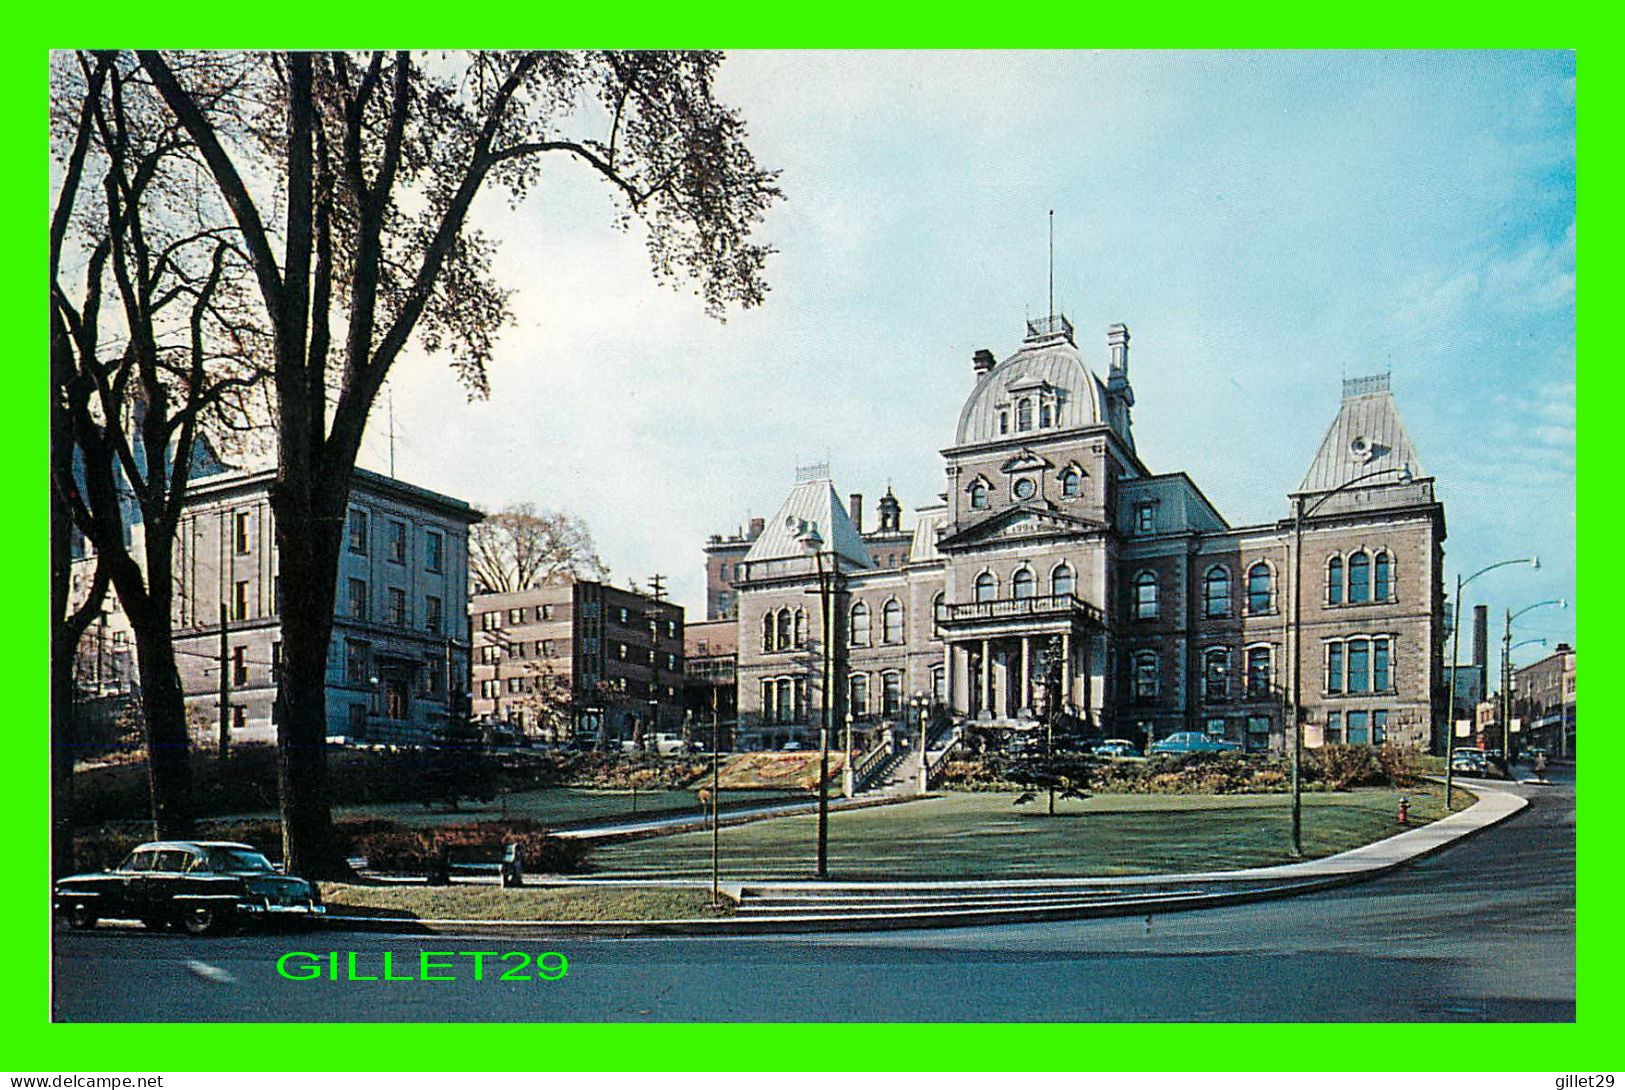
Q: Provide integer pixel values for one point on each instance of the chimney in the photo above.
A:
(982, 361)
(854, 504)
(1481, 636)
(1117, 344)
(757, 525)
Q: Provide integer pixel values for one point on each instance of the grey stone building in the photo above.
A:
(398, 663)
(1056, 559)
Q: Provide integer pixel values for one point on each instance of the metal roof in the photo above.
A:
(811, 503)
(1051, 360)
(1366, 437)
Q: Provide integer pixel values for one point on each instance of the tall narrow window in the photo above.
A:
(358, 532)
(801, 628)
(1024, 414)
(1334, 728)
(768, 710)
(1359, 578)
(858, 697)
(1215, 671)
(1145, 677)
(1359, 666)
(1359, 732)
(767, 632)
(1384, 577)
(1381, 672)
(397, 607)
(432, 615)
(239, 601)
(239, 666)
(891, 622)
(1145, 596)
(435, 551)
(1259, 588)
(1061, 581)
(397, 541)
(987, 587)
(1071, 483)
(786, 701)
(1021, 584)
(1334, 581)
(1004, 423)
(978, 496)
(1334, 668)
(1216, 593)
(1379, 727)
(860, 625)
(1258, 672)
(240, 532)
(786, 630)
(891, 686)
(938, 615)
(358, 599)
(1044, 415)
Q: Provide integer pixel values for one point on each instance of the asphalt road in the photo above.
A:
(1481, 932)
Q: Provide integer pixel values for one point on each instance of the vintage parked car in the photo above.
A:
(1193, 741)
(1116, 747)
(202, 886)
(1471, 761)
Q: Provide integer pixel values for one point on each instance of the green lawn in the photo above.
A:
(470, 902)
(982, 835)
(550, 806)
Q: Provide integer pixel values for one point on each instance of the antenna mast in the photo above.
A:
(1052, 262)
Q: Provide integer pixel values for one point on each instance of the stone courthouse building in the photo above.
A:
(1056, 553)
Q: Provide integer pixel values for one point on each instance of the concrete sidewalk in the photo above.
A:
(789, 907)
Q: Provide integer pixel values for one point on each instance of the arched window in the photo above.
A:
(1215, 673)
(1043, 416)
(1359, 578)
(1024, 414)
(891, 622)
(978, 495)
(860, 625)
(1216, 592)
(1359, 658)
(1145, 677)
(1145, 596)
(987, 587)
(1061, 580)
(1334, 581)
(1258, 671)
(785, 701)
(891, 692)
(785, 633)
(1384, 577)
(939, 613)
(1021, 584)
(1004, 423)
(801, 628)
(858, 702)
(767, 632)
(1071, 483)
(1259, 588)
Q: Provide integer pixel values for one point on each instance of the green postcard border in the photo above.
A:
(36, 1044)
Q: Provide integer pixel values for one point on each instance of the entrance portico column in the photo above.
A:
(1069, 673)
(1025, 689)
(986, 701)
(948, 675)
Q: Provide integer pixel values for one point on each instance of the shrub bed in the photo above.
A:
(1328, 768)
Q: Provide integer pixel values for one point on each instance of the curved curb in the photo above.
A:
(1094, 897)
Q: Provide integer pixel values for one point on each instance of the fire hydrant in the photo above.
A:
(1404, 810)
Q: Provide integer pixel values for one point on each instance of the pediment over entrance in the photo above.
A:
(1018, 524)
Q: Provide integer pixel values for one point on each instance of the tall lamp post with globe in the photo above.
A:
(1295, 711)
(1455, 664)
(813, 541)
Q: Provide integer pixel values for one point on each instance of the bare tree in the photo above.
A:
(519, 547)
(352, 188)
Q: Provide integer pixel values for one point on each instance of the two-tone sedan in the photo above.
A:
(202, 886)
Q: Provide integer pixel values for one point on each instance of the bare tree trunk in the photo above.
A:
(307, 559)
(169, 762)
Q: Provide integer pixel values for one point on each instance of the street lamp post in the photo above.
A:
(1455, 664)
(1522, 643)
(814, 542)
(922, 708)
(849, 780)
(1295, 711)
(1506, 676)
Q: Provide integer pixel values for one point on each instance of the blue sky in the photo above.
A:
(1263, 223)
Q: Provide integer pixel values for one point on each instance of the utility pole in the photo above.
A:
(716, 812)
(225, 686)
(657, 587)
